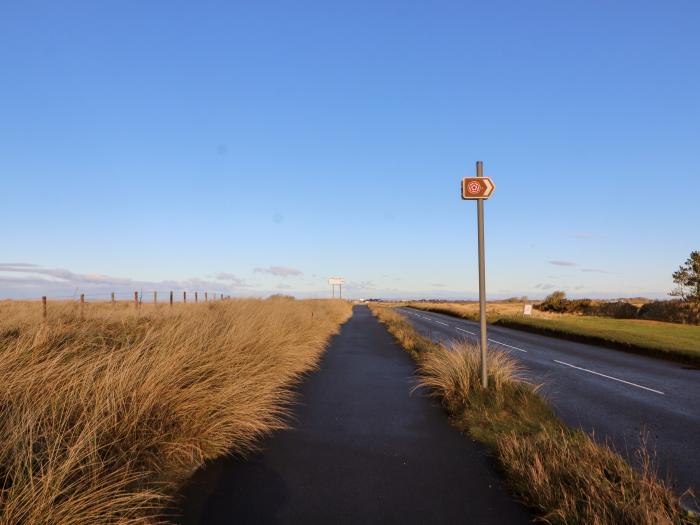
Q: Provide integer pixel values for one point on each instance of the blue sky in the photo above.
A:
(262, 147)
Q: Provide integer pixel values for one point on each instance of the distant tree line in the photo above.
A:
(558, 302)
(683, 310)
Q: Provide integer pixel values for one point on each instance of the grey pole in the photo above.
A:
(482, 280)
(341, 290)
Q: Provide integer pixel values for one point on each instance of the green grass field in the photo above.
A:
(671, 340)
(661, 337)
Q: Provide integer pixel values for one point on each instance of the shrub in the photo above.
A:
(580, 306)
(617, 309)
(554, 302)
(557, 302)
(521, 299)
(671, 312)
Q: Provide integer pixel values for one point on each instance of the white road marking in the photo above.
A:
(473, 333)
(433, 320)
(610, 377)
(508, 346)
(493, 340)
(555, 360)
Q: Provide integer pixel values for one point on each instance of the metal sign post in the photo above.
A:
(480, 188)
(333, 281)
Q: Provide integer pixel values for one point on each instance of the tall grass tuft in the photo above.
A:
(103, 417)
(455, 372)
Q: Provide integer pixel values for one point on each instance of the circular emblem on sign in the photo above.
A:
(474, 187)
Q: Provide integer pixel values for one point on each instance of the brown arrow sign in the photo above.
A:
(477, 188)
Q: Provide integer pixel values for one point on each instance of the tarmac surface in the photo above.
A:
(615, 395)
(363, 449)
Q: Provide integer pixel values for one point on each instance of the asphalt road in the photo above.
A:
(363, 450)
(616, 395)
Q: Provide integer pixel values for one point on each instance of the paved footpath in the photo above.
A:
(363, 450)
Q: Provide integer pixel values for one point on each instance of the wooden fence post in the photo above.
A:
(222, 297)
(195, 297)
(82, 305)
(184, 297)
(112, 298)
(43, 304)
(155, 297)
(206, 297)
(136, 299)
(171, 298)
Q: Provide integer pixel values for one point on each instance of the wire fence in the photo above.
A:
(138, 297)
(141, 295)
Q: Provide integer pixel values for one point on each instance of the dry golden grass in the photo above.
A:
(470, 310)
(565, 475)
(103, 417)
(570, 478)
(455, 372)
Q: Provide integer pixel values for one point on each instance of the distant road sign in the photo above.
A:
(527, 309)
(336, 281)
(477, 188)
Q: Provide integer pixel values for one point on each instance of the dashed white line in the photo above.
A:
(508, 346)
(610, 377)
(493, 340)
(555, 360)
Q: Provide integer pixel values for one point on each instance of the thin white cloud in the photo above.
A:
(594, 270)
(231, 278)
(30, 280)
(544, 286)
(25, 265)
(62, 274)
(279, 271)
(562, 263)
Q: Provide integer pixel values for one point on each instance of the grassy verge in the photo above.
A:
(104, 416)
(563, 474)
(667, 340)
